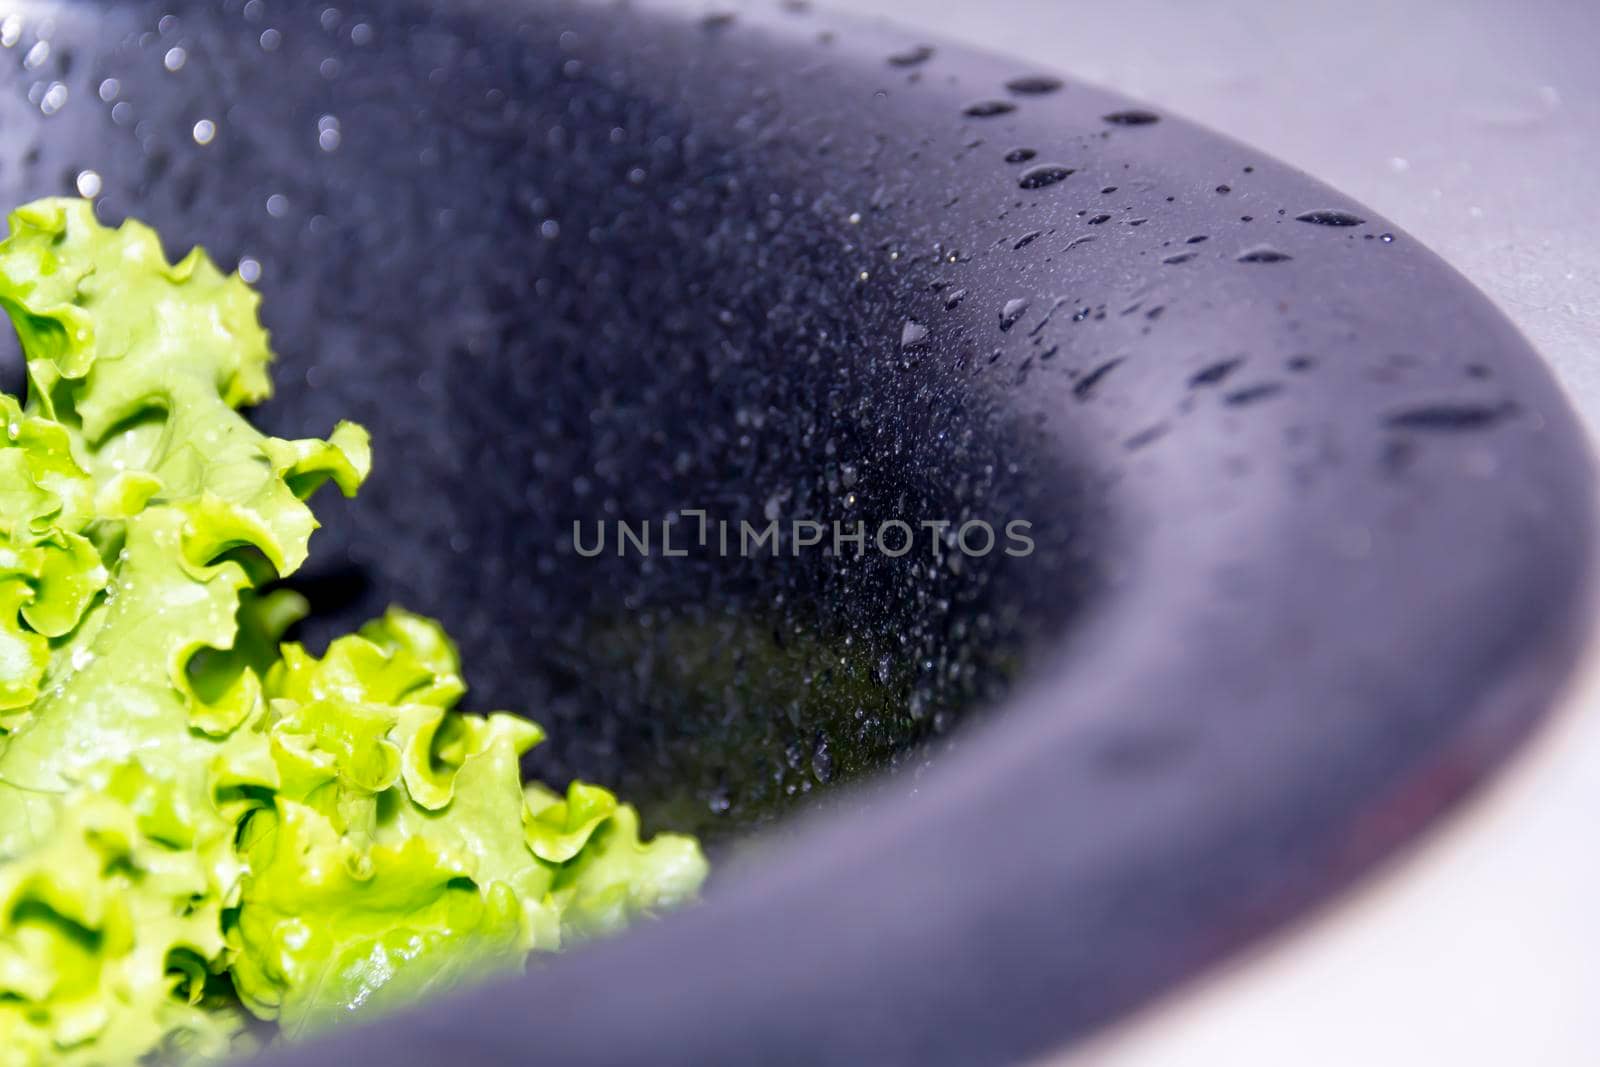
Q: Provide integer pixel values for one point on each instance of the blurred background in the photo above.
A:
(1475, 125)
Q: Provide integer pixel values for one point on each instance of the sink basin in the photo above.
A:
(1309, 527)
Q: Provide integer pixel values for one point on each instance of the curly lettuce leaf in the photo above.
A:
(382, 786)
(196, 819)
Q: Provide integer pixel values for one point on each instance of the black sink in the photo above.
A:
(1311, 525)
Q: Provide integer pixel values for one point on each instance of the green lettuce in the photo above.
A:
(200, 823)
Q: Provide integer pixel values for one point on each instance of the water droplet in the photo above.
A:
(955, 298)
(277, 205)
(10, 30)
(1034, 84)
(718, 20)
(911, 56)
(1215, 373)
(1085, 386)
(1263, 254)
(1330, 217)
(1132, 117)
(988, 109)
(885, 669)
(109, 89)
(549, 229)
(89, 184)
(329, 133)
(54, 99)
(36, 56)
(1147, 436)
(1449, 418)
(270, 40)
(1042, 174)
(361, 34)
(205, 131)
(1020, 155)
(250, 270)
(822, 762)
(175, 58)
(913, 335)
(1179, 257)
(1012, 311)
(1250, 394)
(1387, 238)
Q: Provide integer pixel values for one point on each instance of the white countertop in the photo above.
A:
(1475, 125)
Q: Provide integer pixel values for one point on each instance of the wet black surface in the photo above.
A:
(1314, 525)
